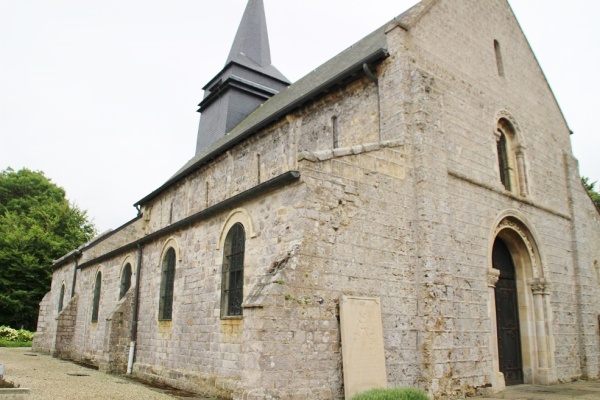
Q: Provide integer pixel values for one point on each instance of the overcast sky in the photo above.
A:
(102, 95)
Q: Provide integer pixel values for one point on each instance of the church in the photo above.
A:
(428, 168)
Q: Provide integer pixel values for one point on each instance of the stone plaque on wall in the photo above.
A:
(362, 344)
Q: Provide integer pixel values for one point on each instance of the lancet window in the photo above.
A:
(125, 280)
(511, 158)
(96, 301)
(165, 311)
(232, 285)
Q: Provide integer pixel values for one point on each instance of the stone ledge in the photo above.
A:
(323, 155)
(460, 176)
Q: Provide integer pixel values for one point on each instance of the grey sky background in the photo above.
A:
(102, 95)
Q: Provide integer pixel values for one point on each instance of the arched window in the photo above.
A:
(503, 162)
(125, 280)
(165, 309)
(96, 302)
(511, 158)
(61, 298)
(232, 284)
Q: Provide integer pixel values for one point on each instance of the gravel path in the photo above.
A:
(53, 379)
(49, 378)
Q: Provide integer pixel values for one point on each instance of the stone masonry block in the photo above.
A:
(344, 151)
(372, 146)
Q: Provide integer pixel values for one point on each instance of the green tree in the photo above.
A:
(37, 226)
(590, 188)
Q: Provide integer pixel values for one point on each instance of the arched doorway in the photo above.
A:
(507, 315)
(521, 338)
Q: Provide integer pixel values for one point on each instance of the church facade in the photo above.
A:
(428, 166)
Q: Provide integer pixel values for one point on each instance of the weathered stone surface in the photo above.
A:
(362, 345)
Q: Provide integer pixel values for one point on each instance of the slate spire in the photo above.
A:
(252, 39)
(247, 80)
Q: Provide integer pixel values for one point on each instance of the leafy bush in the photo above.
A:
(392, 394)
(15, 335)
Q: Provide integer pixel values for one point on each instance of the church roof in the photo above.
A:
(341, 68)
(251, 44)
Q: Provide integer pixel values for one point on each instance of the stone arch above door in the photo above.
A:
(521, 242)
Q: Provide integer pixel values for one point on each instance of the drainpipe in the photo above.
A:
(374, 79)
(75, 257)
(136, 301)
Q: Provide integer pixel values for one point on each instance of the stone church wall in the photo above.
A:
(450, 105)
(45, 336)
(115, 351)
(359, 241)
(256, 160)
(42, 338)
(112, 240)
(196, 339)
(197, 347)
(66, 324)
(585, 236)
(88, 342)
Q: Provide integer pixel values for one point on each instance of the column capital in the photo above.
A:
(492, 277)
(520, 149)
(539, 286)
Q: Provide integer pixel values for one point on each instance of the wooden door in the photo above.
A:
(507, 315)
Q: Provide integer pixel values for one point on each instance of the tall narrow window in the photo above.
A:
(503, 161)
(165, 310)
(61, 298)
(258, 166)
(232, 285)
(511, 158)
(334, 127)
(125, 281)
(206, 194)
(498, 53)
(96, 302)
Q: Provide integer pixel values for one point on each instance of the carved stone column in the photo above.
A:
(522, 175)
(539, 289)
(498, 382)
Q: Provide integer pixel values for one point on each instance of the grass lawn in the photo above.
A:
(392, 394)
(8, 343)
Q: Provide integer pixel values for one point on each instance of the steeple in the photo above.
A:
(247, 80)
